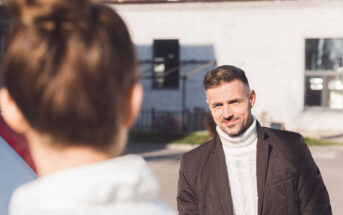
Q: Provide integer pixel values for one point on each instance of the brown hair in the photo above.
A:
(68, 65)
(225, 73)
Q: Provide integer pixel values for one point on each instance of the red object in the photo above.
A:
(17, 141)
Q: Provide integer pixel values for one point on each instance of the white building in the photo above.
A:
(291, 52)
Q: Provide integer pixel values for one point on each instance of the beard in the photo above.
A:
(235, 129)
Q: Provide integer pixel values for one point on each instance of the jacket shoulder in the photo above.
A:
(282, 133)
(196, 157)
(290, 144)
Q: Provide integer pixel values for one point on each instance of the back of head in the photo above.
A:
(68, 65)
(222, 74)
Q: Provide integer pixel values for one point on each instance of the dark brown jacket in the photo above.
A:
(288, 180)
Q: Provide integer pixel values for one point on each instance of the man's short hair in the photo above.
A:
(225, 73)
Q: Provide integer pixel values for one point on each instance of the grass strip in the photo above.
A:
(318, 142)
(197, 138)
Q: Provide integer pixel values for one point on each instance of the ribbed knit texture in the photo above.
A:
(240, 156)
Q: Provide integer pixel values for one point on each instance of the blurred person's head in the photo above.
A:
(230, 99)
(70, 76)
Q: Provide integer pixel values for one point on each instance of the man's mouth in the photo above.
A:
(230, 122)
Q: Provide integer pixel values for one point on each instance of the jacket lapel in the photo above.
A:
(263, 153)
(221, 178)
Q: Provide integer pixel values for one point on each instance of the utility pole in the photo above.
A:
(183, 102)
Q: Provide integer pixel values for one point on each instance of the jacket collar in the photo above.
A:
(221, 175)
(262, 160)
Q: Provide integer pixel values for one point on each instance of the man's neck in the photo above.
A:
(50, 157)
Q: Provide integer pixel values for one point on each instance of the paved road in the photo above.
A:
(164, 161)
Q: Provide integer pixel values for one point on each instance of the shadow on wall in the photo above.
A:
(172, 77)
(187, 52)
(164, 86)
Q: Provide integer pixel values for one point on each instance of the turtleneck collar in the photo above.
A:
(245, 139)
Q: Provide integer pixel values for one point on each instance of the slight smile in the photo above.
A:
(230, 122)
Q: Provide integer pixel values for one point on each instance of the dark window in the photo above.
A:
(166, 64)
(324, 73)
(324, 54)
(278, 126)
(314, 88)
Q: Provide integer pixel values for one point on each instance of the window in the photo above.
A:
(166, 64)
(324, 73)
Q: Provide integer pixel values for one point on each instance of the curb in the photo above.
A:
(181, 146)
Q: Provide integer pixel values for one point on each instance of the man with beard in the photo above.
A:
(247, 169)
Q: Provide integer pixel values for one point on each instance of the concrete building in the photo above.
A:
(291, 52)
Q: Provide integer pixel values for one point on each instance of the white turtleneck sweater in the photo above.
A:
(240, 156)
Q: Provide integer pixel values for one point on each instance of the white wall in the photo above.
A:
(266, 39)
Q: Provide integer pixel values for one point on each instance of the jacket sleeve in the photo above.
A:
(312, 193)
(187, 198)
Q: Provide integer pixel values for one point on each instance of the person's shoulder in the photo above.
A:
(202, 149)
(198, 155)
(291, 144)
(283, 134)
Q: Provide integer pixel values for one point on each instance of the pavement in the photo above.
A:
(164, 160)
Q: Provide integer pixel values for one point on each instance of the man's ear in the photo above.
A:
(252, 98)
(133, 105)
(11, 113)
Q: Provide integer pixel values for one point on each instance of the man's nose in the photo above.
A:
(227, 112)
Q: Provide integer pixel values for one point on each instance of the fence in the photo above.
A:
(170, 121)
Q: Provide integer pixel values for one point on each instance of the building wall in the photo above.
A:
(266, 39)
(171, 99)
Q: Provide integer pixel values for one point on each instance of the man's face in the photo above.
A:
(230, 104)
